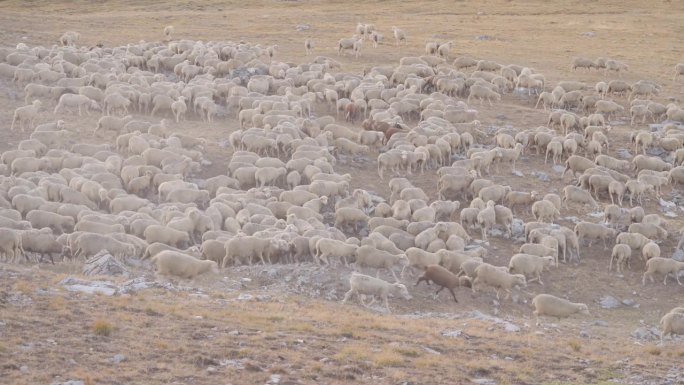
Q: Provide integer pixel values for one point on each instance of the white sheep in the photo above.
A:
(577, 195)
(622, 254)
(365, 285)
(171, 262)
(399, 35)
(26, 115)
(673, 322)
(325, 248)
(529, 265)
(549, 305)
(594, 231)
(370, 256)
(663, 266)
(495, 277)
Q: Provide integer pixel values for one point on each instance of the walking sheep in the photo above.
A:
(552, 306)
(366, 285)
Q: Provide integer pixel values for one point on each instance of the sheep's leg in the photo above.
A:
(643, 279)
(453, 294)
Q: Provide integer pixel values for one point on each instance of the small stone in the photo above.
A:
(511, 328)
(624, 154)
(589, 34)
(274, 379)
(70, 382)
(629, 302)
(24, 369)
(245, 297)
(483, 381)
(584, 334)
(233, 333)
(104, 263)
(119, 358)
(678, 255)
(599, 323)
(666, 204)
(558, 169)
(518, 173)
(452, 333)
(541, 176)
(609, 302)
(670, 214)
(431, 351)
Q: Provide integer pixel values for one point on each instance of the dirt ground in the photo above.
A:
(274, 327)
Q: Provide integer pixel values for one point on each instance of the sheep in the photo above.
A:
(112, 123)
(82, 102)
(89, 244)
(58, 223)
(370, 256)
(483, 93)
(672, 323)
(26, 115)
(580, 62)
(643, 162)
(11, 244)
(679, 70)
(635, 241)
(42, 242)
(549, 305)
(365, 285)
(662, 266)
(555, 148)
(636, 190)
(171, 262)
(612, 163)
(492, 276)
(486, 218)
(399, 35)
(576, 163)
(167, 235)
(648, 230)
(650, 250)
(346, 215)
(622, 254)
(545, 211)
(608, 108)
(642, 139)
(325, 248)
(529, 265)
(616, 189)
(443, 278)
(578, 195)
(390, 161)
(179, 108)
(594, 231)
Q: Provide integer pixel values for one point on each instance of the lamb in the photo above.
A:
(171, 262)
(549, 305)
(594, 231)
(493, 276)
(529, 265)
(622, 254)
(365, 285)
(26, 115)
(330, 247)
(578, 195)
(672, 323)
(662, 266)
(443, 278)
(369, 256)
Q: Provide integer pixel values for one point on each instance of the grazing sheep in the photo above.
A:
(663, 266)
(673, 322)
(622, 253)
(575, 194)
(167, 235)
(369, 256)
(399, 35)
(171, 262)
(11, 244)
(593, 231)
(549, 305)
(443, 278)
(26, 115)
(529, 265)
(325, 248)
(679, 70)
(486, 219)
(576, 163)
(545, 211)
(483, 93)
(648, 230)
(650, 250)
(495, 277)
(365, 285)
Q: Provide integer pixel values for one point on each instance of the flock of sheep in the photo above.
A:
(141, 197)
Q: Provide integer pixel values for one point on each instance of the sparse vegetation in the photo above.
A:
(102, 328)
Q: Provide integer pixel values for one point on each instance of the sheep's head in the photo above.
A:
(582, 308)
(400, 289)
